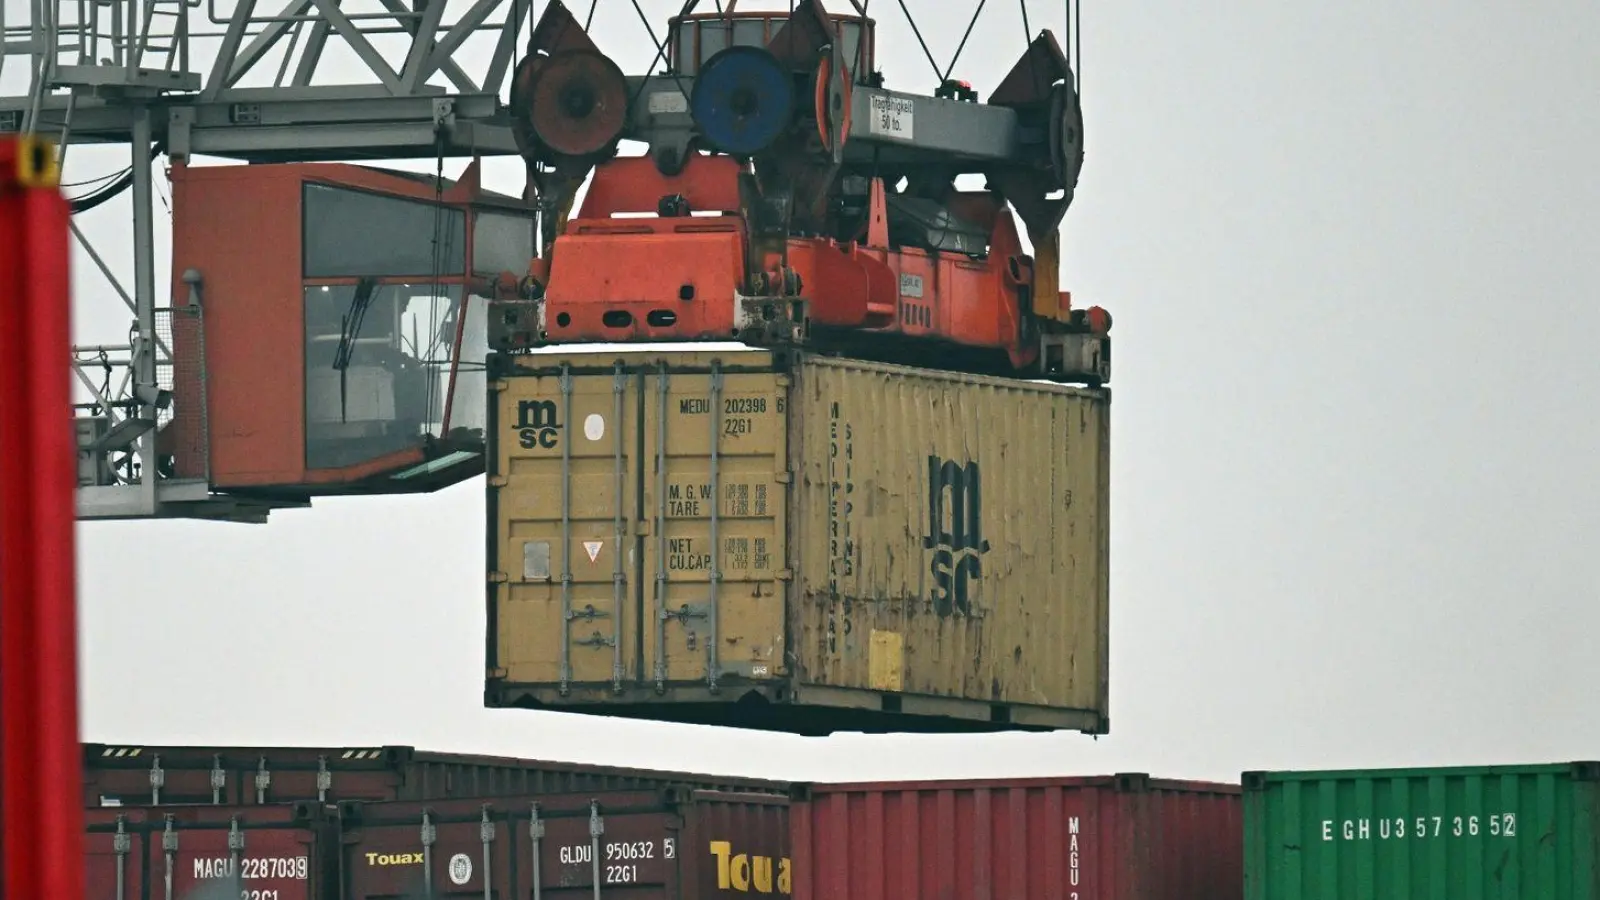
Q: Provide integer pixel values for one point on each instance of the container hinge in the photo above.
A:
(219, 779)
(263, 780)
(499, 481)
(324, 779)
(498, 384)
(535, 825)
(784, 575)
(495, 673)
(782, 477)
(158, 780)
(782, 380)
(498, 578)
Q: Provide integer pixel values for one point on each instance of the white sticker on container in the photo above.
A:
(461, 868)
(593, 549)
(594, 427)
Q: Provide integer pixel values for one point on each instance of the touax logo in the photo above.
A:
(745, 872)
(394, 859)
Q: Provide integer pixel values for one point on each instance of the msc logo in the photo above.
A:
(744, 872)
(958, 548)
(538, 424)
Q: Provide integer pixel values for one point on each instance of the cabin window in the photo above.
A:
(379, 366)
(355, 234)
(501, 243)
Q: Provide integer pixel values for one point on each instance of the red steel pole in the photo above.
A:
(41, 763)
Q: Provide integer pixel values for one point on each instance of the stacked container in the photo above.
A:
(298, 823)
(1482, 833)
(1123, 837)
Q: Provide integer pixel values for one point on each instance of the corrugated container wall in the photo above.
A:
(1124, 837)
(134, 775)
(839, 544)
(669, 845)
(1484, 833)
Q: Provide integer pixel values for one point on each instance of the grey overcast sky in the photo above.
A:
(1349, 248)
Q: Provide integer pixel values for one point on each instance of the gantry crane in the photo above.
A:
(180, 78)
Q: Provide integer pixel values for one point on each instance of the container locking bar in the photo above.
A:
(122, 845)
(566, 530)
(235, 847)
(536, 837)
(429, 835)
(661, 542)
(158, 780)
(486, 834)
(715, 575)
(619, 387)
(169, 848)
(597, 827)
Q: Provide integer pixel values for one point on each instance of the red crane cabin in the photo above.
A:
(330, 353)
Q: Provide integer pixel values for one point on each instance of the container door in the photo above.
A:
(562, 497)
(715, 450)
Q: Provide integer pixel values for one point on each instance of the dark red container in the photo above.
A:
(674, 845)
(1123, 837)
(132, 775)
(276, 852)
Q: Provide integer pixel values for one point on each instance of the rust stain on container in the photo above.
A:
(846, 544)
(139, 775)
(275, 852)
(1123, 837)
(675, 845)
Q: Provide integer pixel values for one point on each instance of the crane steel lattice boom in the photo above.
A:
(128, 73)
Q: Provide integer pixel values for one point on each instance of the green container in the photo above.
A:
(1485, 833)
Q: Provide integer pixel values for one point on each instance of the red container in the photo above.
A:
(132, 775)
(648, 844)
(276, 852)
(669, 844)
(1123, 837)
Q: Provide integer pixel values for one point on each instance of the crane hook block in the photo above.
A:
(743, 100)
(578, 103)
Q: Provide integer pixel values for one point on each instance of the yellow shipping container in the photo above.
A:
(796, 543)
